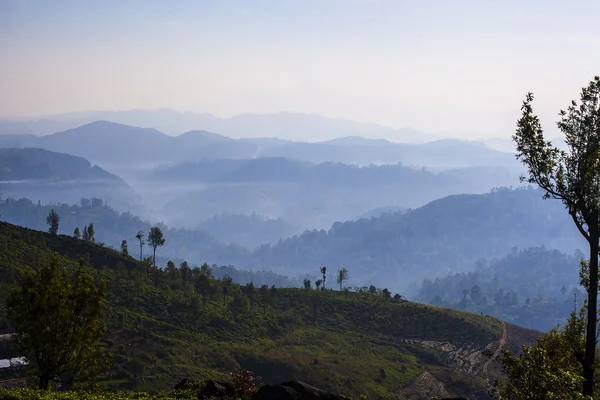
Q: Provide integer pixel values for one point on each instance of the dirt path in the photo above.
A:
(502, 342)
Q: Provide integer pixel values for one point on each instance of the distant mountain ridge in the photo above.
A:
(56, 177)
(119, 147)
(285, 125)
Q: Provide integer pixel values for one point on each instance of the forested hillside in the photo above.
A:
(397, 250)
(535, 288)
(165, 325)
(55, 177)
(446, 235)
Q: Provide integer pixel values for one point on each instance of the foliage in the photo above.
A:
(245, 383)
(57, 318)
(551, 369)
(573, 177)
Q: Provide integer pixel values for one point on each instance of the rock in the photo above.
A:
(293, 390)
(217, 389)
(276, 392)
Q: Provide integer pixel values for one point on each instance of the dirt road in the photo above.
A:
(501, 344)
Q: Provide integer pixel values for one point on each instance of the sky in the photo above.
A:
(459, 67)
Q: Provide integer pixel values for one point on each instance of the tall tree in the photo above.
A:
(155, 240)
(573, 177)
(140, 237)
(124, 248)
(57, 318)
(226, 286)
(91, 233)
(342, 276)
(76, 233)
(53, 219)
(307, 284)
(86, 236)
(324, 272)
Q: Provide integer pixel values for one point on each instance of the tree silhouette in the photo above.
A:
(342, 276)
(77, 233)
(53, 219)
(140, 237)
(91, 233)
(307, 284)
(318, 283)
(573, 177)
(155, 240)
(324, 272)
(124, 248)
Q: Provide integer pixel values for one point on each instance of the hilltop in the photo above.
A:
(344, 342)
(447, 235)
(56, 177)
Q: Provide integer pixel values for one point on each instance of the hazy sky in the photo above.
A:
(451, 66)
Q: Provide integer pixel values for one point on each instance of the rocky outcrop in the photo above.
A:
(293, 390)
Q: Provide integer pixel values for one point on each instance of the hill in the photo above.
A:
(163, 328)
(534, 288)
(304, 194)
(56, 177)
(286, 125)
(123, 148)
(399, 250)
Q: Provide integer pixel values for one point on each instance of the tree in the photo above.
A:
(86, 236)
(53, 220)
(573, 177)
(185, 271)
(76, 233)
(155, 240)
(227, 282)
(89, 234)
(140, 237)
(206, 270)
(318, 283)
(342, 276)
(324, 272)
(203, 286)
(124, 248)
(263, 294)
(307, 284)
(550, 369)
(250, 293)
(57, 316)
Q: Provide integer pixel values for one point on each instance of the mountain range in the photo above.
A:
(285, 125)
(122, 148)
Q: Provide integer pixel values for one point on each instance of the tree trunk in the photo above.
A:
(44, 382)
(592, 319)
(154, 257)
(141, 251)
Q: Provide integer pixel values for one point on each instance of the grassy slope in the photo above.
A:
(357, 345)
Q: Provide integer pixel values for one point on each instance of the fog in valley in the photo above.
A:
(286, 154)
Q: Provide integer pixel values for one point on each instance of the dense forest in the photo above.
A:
(535, 288)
